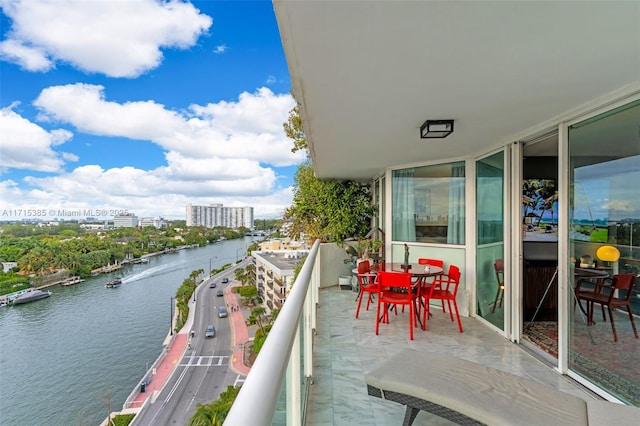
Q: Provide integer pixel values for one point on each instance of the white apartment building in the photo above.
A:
(125, 221)
(274, 275)
(217, 215)
(156, 222)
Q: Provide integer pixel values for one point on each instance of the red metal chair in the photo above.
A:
(425, 286)
(447, 292)
(614, 295)
(367, 284)
(396, 289)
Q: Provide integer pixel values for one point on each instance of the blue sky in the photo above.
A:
(142, 106)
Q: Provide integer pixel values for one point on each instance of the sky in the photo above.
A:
(142, 106)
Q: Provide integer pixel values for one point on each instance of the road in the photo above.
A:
(203, 372)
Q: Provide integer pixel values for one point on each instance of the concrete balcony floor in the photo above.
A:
(345, 348)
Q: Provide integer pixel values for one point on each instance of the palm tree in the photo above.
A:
(258, 313)
(250, 274)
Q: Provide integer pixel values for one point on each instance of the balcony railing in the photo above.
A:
(291, 335)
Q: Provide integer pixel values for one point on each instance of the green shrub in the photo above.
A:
(122, 419)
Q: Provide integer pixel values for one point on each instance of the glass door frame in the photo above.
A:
(511, 292)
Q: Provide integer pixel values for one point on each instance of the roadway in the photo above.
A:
(204, 370)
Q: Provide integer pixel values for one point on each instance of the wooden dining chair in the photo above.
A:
(367, 284)
(447, 293)
(396, 289)
(614, 292)
(498, 267)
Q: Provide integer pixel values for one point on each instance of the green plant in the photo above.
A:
(122, 419)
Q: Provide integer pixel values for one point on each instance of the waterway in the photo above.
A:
(65, 359)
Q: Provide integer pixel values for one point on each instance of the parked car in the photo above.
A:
(225, 280)
(219, 294)
(210, 331)
(212, 285)
(222, 312)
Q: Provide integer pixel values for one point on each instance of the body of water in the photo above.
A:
(65, 359)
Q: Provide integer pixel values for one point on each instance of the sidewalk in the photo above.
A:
(164, 369)
(239, 331)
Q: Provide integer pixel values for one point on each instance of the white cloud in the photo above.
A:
(145, 193)
(218, 153)
(115, 38)
(28, 57)
(25, 145)
(220, 49)
(250, 128)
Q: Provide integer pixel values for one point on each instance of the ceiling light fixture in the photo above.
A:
(436, 129)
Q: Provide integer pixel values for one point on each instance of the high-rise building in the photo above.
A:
(125, 221)
(216, 215)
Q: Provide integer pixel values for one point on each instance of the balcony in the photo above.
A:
(344, 348)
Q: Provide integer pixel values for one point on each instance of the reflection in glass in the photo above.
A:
(490, 234)
(605, 210)
(428, 204)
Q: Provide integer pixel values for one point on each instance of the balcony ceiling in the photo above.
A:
(368, 73)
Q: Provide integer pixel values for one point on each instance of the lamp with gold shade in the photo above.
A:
(609, 254)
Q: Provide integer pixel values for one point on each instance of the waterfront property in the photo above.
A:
(274, 275)
(218, 215)
(498, 137)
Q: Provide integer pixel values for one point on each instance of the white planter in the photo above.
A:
(344, 282)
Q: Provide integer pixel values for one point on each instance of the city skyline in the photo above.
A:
(99, 115)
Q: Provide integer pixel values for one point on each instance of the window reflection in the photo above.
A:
(428, 203)
(605, 211)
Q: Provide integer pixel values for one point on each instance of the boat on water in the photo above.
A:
(114, 283)
(31, 296)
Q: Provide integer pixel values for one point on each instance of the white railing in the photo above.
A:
(286, 354)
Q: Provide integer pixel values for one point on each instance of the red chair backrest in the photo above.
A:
(453, 279)
(364, 267)
(432, 262)
(388, 280)
(623, 282)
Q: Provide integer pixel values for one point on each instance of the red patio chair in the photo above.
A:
(447, 292)
(396, 288)
(425, 285)
(367, 284)
(615, 295)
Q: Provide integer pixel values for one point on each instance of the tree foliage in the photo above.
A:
(293, 130)
(214, 413)
(328, 209)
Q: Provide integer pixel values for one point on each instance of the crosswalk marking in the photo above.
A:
(204, 361)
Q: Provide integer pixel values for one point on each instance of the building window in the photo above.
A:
(428, 203)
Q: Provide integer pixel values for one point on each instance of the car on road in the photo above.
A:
(212, 285)
(219, 294)
(225, 280)
(222, 312)
(210, 331)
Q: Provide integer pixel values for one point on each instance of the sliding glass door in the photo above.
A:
(604, 240)
(490, 258)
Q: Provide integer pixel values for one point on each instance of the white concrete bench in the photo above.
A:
(468, 393)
